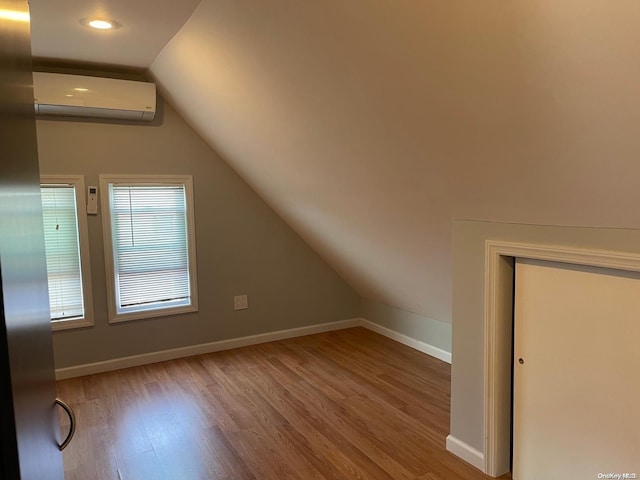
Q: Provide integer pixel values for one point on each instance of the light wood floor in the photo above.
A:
(349, 404)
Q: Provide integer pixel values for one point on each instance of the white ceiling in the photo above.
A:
(146, 27)
(368, 125)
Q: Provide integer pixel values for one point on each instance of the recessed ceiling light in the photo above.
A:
(80, 89)
(100, 23)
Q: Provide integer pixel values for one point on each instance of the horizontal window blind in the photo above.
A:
(150, 246)
(63, 251)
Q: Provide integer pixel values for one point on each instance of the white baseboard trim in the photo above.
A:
(163, 355)
(465, 452)
(409, 341)
(171, 354)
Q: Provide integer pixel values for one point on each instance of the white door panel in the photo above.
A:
(577, 394)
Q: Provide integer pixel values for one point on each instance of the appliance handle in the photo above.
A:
(72, 419)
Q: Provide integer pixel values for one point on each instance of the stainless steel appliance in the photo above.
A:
(29, 432)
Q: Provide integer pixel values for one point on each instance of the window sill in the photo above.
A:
(59, 325)
(161, 312)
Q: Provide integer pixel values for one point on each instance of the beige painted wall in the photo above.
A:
(243, 247)
(369, 124)
(418, 327)
(469, 237)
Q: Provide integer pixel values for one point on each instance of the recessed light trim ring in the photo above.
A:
(100, 23)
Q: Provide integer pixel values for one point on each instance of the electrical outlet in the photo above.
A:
(240, 302)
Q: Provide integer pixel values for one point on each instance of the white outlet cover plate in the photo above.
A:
(240, 302)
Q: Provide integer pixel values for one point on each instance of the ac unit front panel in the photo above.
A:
(93, 96)
(74, 111)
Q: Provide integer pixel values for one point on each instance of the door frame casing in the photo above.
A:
(498, 325)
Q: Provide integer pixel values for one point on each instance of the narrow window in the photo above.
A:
(148, 223)
(66, 246)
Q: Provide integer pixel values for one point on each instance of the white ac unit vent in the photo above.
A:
(82, 96)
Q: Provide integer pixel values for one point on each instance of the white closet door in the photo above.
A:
(577, 388)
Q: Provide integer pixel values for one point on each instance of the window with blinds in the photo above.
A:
(151, 252)
(66, 267)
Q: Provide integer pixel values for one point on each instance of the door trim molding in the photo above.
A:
(498, 340)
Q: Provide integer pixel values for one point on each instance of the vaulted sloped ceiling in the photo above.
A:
(369, 125)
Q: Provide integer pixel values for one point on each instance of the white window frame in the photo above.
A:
(147, 180)
(83, 240)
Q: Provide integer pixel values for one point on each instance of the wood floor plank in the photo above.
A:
(349, 404)
(358, 433)
(140, 466)
(323, 437)
(224, 461)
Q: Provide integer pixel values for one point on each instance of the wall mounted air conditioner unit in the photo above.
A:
(81, 96)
